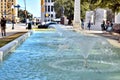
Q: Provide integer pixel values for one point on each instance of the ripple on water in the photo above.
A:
(77, 65)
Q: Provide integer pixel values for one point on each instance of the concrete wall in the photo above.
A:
(12, 45)
(117, 18)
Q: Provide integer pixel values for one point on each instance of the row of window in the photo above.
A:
(5, 5)
(5, 0)
(2, 3)
(49, 8)
(6, 12)
(49, 15)
(49, 0)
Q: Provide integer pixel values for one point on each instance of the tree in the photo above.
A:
(22, 15)
(86, 5)
(114, 5)
(69, 7)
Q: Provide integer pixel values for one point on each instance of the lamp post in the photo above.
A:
(25, 12)
(12, 7)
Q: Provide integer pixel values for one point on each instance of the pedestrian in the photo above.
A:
(103, 26)
(3, 26)
(89, 25)
(29, 25)
(109, 26)
(82, 23)
(13, 22)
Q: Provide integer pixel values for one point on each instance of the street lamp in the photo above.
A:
(25, 12)
(12, 7)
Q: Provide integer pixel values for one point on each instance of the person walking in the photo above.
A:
(3, 26)
(89, 25)
(82, 23)
(103, 26)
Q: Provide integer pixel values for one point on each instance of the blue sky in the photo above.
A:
(32, 6)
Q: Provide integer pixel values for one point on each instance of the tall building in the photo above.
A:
(8, 10)
(47, 10)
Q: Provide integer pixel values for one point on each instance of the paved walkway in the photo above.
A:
(17, 28)
(112, 38)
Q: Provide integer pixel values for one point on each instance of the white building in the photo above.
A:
(47, 10)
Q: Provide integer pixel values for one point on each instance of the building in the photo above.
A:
(8, 10)
(47, 10)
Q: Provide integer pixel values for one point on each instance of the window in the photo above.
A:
(52, 0)
(48, 0)
(48, 8)
(52, 8)
(51, 15)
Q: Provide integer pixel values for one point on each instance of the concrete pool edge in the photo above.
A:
(12, 45)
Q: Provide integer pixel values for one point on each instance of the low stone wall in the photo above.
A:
(116, 28)
(12, 45)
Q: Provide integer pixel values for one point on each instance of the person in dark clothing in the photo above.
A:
(82, 23)
(89, 25)
(3, 26)
(103, 26)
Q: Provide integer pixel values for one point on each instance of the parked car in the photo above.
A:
(46, 25)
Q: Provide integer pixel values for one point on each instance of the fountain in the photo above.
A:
(82, 43)
(62, 55)
(66, 55)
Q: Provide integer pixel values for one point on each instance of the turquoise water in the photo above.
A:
(49, 56)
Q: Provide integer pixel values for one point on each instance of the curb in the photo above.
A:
(4, 51)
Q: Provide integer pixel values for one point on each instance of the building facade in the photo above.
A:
(47, 10)
(8, 10)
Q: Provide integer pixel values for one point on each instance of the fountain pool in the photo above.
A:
(68, 56)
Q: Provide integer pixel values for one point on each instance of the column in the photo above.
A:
(77, 21)
(42, 10)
